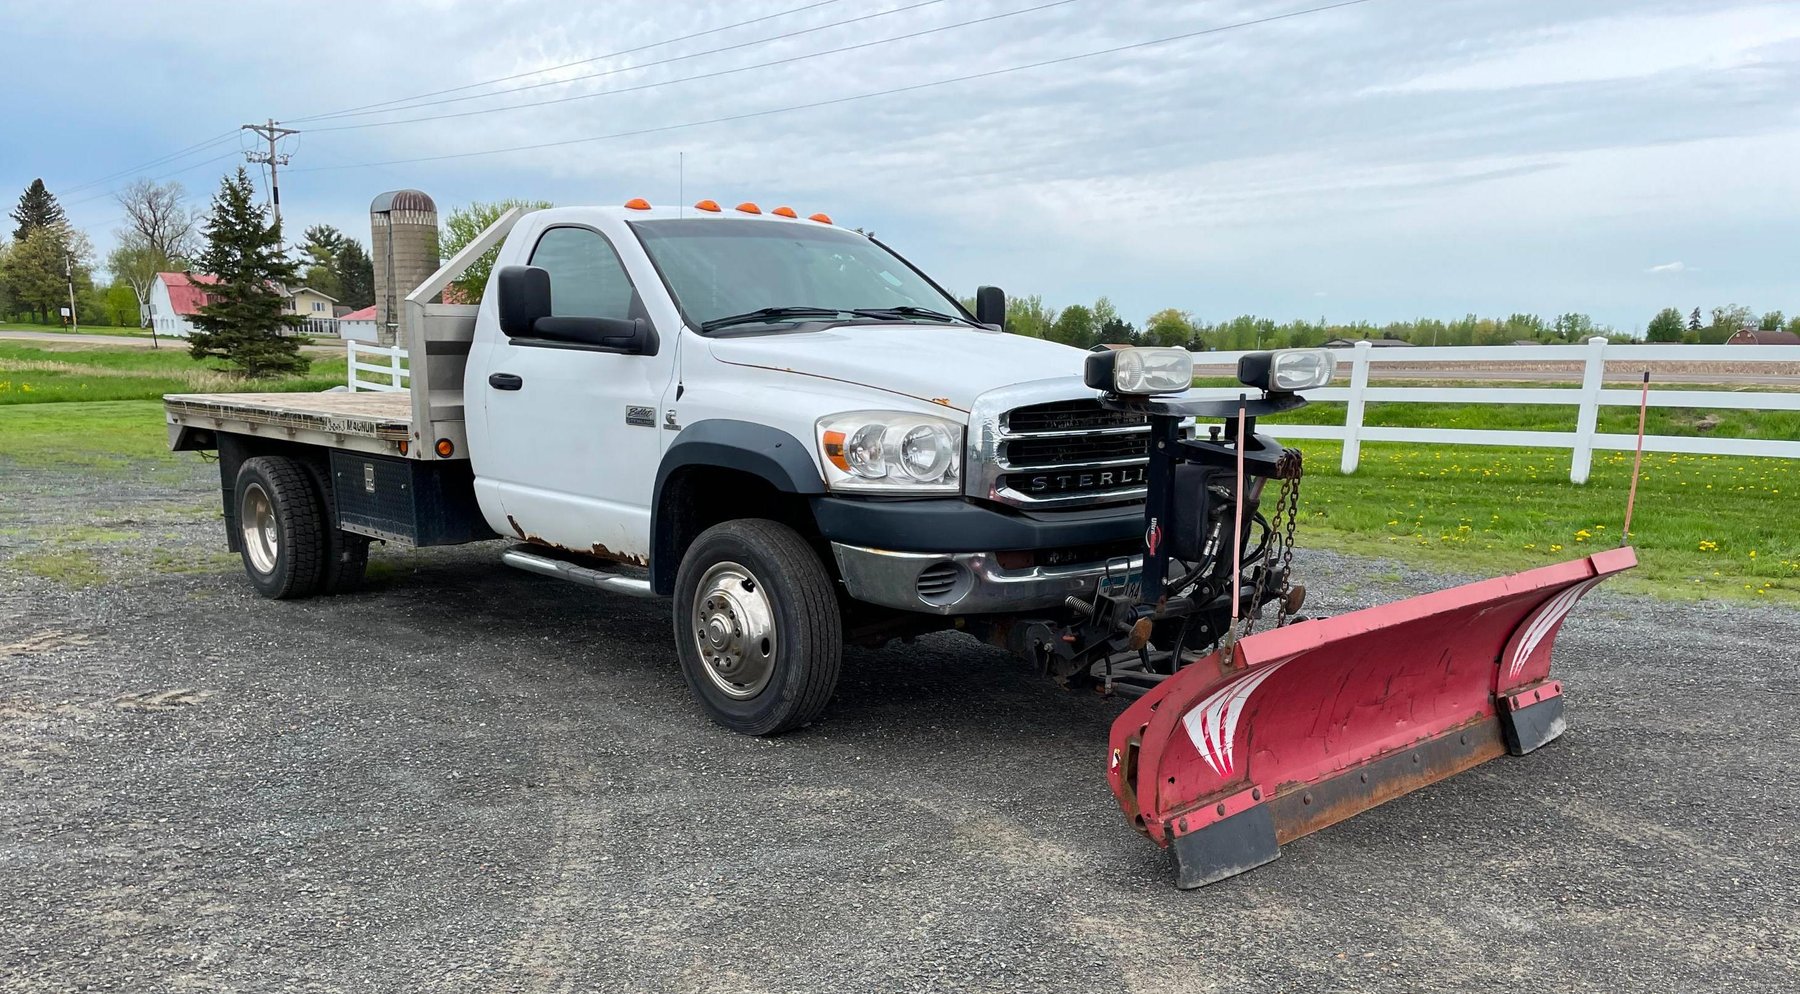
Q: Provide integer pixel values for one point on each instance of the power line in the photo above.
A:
(234, 153)
(711, 75)
(860, 96)
(625, 69)
(197, 146)
(567, 65)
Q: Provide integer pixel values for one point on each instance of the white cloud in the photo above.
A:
(1668, 267)
(1618, 48)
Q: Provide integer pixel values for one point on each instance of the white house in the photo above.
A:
(359, 325)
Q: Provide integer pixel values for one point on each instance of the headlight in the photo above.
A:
(1288, 370)
(891, 451)
(1140, 371)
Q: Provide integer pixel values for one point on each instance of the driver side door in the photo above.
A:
(574, 435)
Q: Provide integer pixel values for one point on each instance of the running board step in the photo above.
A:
(525, 558)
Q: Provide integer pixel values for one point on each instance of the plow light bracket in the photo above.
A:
(1288, 370)
(1140, 371)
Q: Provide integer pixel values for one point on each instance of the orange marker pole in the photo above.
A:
(1637, 463)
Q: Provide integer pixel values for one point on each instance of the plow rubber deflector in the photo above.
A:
(1303, 726)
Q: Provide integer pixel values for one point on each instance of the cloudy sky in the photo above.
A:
(1378, 160)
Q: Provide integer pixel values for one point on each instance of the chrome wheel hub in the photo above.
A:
(734, 629)
(256, 522)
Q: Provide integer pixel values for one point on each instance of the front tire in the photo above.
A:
(757, 627)
(281, 533)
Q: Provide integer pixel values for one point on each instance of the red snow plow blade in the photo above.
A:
(1306, 725)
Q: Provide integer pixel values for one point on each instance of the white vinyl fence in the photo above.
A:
(1582, 439)
(388, 376)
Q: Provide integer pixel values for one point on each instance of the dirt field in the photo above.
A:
(468, 778)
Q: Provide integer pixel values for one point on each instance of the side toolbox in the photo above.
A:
(407, 501)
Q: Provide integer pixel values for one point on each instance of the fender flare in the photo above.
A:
(768, 453)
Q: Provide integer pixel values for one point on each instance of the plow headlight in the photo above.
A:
(891, 451)
(1140, 371)
(1287, 371)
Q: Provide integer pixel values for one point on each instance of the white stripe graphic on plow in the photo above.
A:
(1212, 724)
(1543, 620)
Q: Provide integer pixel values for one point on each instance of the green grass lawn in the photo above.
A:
(36, 373)
(1705, 526)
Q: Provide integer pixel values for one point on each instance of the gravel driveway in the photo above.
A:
(469, 778)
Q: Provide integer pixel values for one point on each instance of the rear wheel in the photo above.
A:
(757, 627)
(281, 532)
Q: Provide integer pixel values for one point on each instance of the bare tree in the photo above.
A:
(159, 215)
(136, 262)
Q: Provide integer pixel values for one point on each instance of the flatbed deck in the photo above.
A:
(368, 422)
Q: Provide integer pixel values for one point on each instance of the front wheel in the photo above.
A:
(757, 627)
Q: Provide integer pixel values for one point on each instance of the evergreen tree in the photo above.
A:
(242, 321)
(1694, 322)
(356, 275)
(37, 209)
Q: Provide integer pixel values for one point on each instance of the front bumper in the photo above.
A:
(966, 583)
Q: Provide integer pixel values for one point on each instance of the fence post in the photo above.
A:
(394, 367)
(1592, 379)
(1353, 413)
(350, 364)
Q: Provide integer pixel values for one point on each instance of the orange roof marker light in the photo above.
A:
(784, 212)
(820, 217)
(637, 204)
(749, 208)
(707, 205)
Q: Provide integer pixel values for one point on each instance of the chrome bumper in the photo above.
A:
(964, 582)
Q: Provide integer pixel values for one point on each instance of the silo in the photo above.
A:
(403, 238)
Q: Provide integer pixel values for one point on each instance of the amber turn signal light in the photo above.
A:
(834, 450)
(445, 448)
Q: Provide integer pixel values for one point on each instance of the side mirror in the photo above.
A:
(524, 298)
(990, 306)
(524, 304)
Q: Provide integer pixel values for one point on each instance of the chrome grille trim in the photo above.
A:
(989, 430)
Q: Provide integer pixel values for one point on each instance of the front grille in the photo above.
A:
(1029, 453)
(1066, 415)
(1070, 452)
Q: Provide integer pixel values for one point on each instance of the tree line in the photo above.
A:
(1087, 325)
(162, 232)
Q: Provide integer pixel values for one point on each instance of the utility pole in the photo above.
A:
(271, 133)
(69, 271)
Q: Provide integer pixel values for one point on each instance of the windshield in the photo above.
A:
(719, 268)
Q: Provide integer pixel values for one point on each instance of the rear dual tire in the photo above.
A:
(286, 536)
(757, 627)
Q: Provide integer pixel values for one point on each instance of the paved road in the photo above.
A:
(130, 340)
(469, 778)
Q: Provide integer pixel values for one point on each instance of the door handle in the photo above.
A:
(505, 381)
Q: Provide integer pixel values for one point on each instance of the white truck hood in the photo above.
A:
(948, 365)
